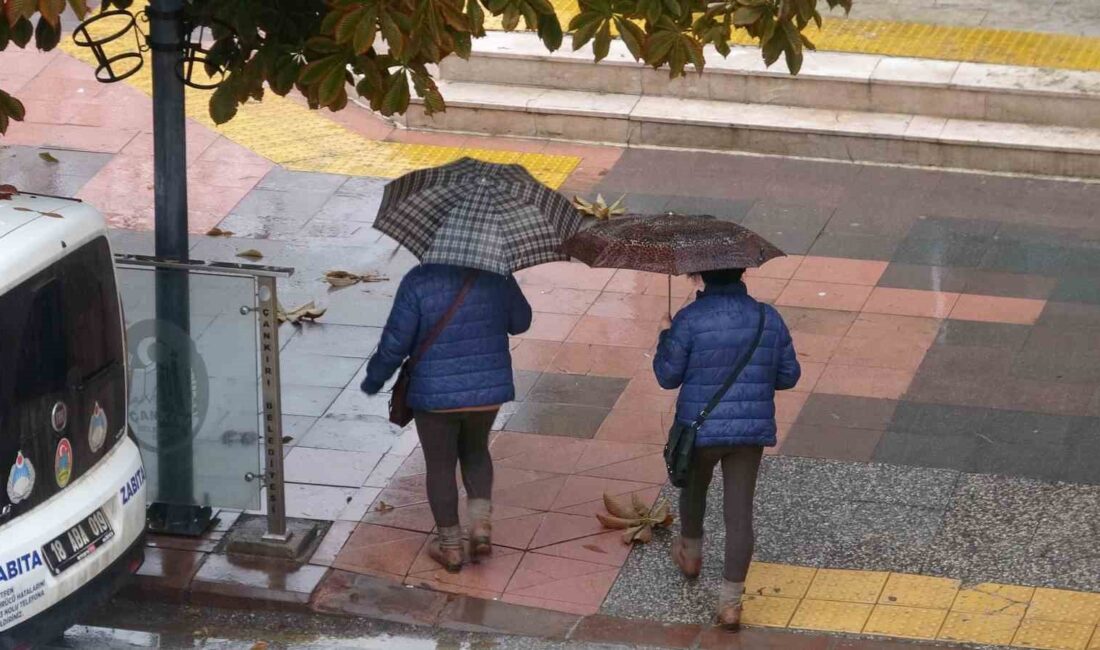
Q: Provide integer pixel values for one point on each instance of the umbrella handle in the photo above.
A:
(670, 297)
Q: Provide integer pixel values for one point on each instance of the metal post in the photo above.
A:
(175, 512)
(273, 412)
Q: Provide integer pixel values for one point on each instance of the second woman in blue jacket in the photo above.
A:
(704, 345)
(456, 388)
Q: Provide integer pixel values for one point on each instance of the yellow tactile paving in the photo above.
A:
(1052, 635)
(990, 598)
(292, 135)
(831, 616)
(919, 591)
(923, 40)
(1068, 606)
(847, 586)
(767, 611)
(998, 629)
(780, 580)
(905, 622)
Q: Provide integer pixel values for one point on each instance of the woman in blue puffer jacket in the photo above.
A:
(456, 389)
(704, 345)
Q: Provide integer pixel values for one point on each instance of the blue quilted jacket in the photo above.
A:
(707, 339)
(470, 363)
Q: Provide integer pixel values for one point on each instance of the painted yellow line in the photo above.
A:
(300, 139)
(927, 608)
(923, 40)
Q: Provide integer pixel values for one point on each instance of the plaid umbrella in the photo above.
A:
(482, 215)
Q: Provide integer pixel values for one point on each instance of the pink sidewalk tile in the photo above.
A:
(788, 405)
(994, 309)
(550, 327)
(380, 550)
(582, 489)
(491, 574)
(901, 353)
(567, 275)
(558, 527)
(536, 452)
(861, 381)
(815, 348)
(101, 139)
(765, 289)
(840, 270)
(532, 354)
(603, 453)
(601, 330)
(643, 307)
(603, 548)
(647, 495)
(654, 284)
(633, 426)
(782, 268)
(560, 579)
(557, 300)
(600, 360)
(824, 295)
(811, 374)
(648, 469)
(911, 302)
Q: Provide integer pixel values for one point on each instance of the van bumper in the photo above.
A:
(52, 622)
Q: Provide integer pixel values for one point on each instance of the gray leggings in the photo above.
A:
(450, 439)
(739, 468)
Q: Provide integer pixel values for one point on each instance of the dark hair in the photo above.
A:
(720, 277)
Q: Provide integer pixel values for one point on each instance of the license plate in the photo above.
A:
(78, 542)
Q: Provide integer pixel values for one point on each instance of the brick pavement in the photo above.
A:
(947, 323)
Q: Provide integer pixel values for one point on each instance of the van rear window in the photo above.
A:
(62, 376)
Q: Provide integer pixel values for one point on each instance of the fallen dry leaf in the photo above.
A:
(218, 232)
(308, 311)
(259, 645)
(53, 215)
(383, 507)
(251, 254)
(6, 191)
(340, 279)
(637, 521)
(48, 157)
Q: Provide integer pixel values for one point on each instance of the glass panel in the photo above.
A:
(210, 467)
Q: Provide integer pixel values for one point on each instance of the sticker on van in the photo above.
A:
(97, 429)
(63, 463)
(12, 569)
(20, 479)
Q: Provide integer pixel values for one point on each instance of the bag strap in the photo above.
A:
(717, 399)
(471, 277)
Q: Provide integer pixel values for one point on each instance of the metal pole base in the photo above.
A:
(249, 536)
(174, 519)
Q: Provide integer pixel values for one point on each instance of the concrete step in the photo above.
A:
(669, 121)
(847, 82)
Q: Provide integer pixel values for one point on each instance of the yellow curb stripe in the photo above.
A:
(898, 605)
(301, 139)
(929, 41)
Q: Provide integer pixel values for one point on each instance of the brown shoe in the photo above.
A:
(481, 542)
(729, 616)
(689, 567)
(450, 557)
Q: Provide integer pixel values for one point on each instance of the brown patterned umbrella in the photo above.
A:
(670, 243)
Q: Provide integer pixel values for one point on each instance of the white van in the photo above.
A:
(72, 509)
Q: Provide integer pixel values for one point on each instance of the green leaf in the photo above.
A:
(344, 30)
(51, 11)
(652, 10)
(632, 35)
(46, 36)
(585, 26)
(773, 47)
(22, 32)
(477, 17)
(393, 36)
(658, 46)
(510, 18)
(365, 31)
(397, 96)
(744, 16)
(223, 103)
(328, 25)
(79, 7)
(543, 7)
(285, 76)
(322, 45)
(329, 88)
(16, 9)
(12, 107)
(3, 122)
(602, 45)
(550, 31)
(794, 58)
(319, 70)
(5, 34)
(673, 7)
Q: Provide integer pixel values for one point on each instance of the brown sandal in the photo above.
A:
(450, 557)
(481, 543)
(690, 568)
(729, 617)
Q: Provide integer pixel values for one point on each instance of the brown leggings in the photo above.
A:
(450, 439)
(739, 468)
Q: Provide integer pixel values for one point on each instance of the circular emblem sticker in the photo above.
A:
(97, 429)
(59, 417)
(63, 463)
(20, 479)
